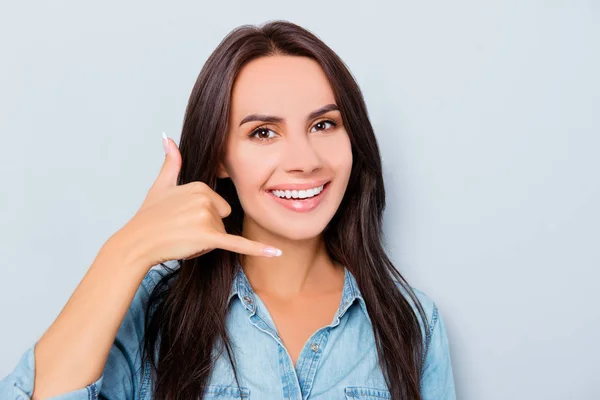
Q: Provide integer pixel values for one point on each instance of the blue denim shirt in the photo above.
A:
(339, 361)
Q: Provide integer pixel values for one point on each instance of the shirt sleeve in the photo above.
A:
(437, 382)
(18, 385)
(122, 377)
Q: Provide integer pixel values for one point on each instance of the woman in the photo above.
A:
(254, 268)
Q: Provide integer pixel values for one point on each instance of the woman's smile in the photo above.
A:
(300, 200)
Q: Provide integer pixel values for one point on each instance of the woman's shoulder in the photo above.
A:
(427, 303)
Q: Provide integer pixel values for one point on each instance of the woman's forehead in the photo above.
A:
(287, 86)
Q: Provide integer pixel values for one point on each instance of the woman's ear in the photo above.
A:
(222, 171)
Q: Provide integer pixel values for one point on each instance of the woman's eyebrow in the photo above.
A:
(274, 119)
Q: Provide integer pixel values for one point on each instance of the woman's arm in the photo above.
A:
(174, 222)
(73, 351)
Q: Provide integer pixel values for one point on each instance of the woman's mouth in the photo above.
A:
(300, 200)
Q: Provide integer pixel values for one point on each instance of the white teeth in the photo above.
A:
(298, 194)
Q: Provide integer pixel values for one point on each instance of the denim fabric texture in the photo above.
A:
(339, 361)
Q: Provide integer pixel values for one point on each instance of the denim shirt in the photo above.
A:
(339, 361)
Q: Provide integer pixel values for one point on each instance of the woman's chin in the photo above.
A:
(299, 233)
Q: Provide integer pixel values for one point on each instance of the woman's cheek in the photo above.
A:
(336, 151)
(253, 167)
(253, 160)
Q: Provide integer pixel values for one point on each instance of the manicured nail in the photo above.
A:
(165, 143)
(272, 251)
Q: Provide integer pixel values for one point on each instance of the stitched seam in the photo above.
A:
(286, 386)
(359, 391)
(434, 319)
(145, 380)
(92, 391)
(149, 282)
(354, 291)
(306, 384)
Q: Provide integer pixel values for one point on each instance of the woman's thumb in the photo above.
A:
(171, 166)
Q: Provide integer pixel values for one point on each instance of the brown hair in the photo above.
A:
(186, 316)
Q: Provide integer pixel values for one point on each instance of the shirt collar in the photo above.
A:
(242, 288)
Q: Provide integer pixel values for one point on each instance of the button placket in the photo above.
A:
(311, 360)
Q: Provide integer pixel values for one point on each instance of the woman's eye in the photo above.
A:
(259, 134)
(264, 134)
(324, 122)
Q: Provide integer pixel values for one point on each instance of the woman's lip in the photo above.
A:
(301, 205)
(300, 186)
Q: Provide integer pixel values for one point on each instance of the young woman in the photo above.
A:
(254, 268)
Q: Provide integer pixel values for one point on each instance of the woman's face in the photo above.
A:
(295, 151)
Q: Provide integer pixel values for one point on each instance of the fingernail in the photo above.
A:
(272, 251)
(165, 143)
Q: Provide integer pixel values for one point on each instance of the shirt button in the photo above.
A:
(314, 347)
(247, 299)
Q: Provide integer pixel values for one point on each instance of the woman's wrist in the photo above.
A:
(127, 248)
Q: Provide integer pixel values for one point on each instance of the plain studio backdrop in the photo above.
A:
(486, 114)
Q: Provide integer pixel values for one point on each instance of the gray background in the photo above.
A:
(487, 117)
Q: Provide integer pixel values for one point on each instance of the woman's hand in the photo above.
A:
(183, 222)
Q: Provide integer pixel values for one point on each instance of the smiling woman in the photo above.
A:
(301, 150)
(276, 148)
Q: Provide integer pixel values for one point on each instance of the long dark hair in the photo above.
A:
(186, 316)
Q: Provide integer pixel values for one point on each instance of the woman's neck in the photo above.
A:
(304, 267)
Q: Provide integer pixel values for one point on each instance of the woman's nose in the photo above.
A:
(301, 154)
